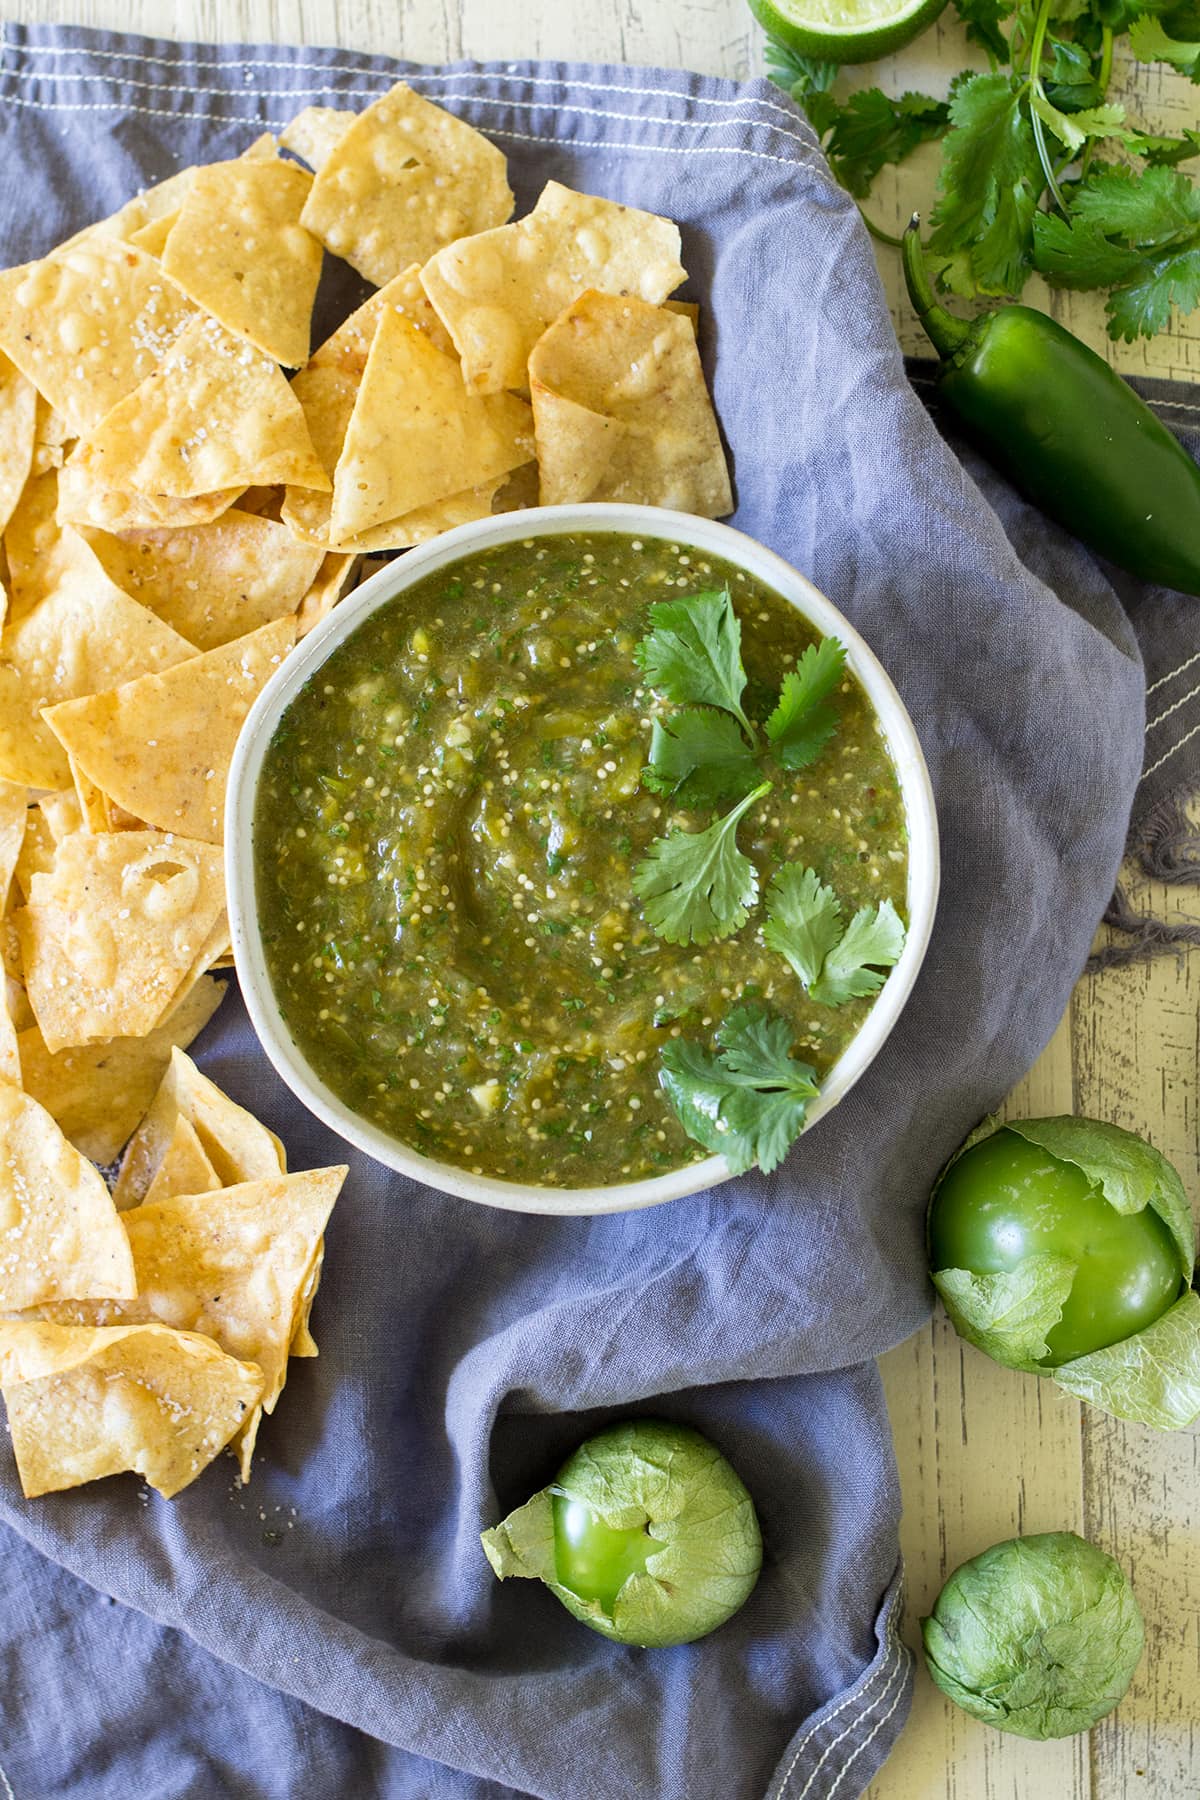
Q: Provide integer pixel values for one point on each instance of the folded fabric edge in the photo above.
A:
(853, 1734)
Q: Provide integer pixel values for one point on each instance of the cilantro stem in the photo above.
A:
(1035, 87)
(878, 233)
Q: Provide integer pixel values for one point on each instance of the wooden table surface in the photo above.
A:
(983, 1452)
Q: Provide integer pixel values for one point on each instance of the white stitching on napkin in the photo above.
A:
(893, 1665)
(1171, 674)
(871, 1735)
(1173, 708)
(587, 112)
(600, 87)
(855, 1696)
(525, 137)
(1168, 754)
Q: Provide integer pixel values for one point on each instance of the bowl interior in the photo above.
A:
(700, 534)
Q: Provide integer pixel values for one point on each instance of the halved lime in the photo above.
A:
(845, 31)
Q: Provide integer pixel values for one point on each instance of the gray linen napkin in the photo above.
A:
(333, 1629)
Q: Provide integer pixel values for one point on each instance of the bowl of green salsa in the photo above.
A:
(581, 858)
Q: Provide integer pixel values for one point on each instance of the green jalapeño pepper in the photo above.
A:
(1067, 432)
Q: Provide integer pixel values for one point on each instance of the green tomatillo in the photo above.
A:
(646, 1534)
(1065, 1247)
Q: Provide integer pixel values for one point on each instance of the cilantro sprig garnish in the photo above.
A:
(835, 962)
(1027, 181)
(697, 886)
(805, 718)
(692, 653)
(748, 1101)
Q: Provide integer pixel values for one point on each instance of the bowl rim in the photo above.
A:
(452, 546)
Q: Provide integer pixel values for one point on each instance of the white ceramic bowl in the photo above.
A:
(644, 521)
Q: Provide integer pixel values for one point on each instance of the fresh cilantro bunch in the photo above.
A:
(696, 886)
(834, 961)
(1030, 177)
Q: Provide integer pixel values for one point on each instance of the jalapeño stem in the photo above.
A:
(946, 333)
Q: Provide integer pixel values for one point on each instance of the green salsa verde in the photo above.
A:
(447, 824)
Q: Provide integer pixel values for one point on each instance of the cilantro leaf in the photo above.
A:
(989, 183)
(1078, 255)
(983, 19)
(872, 942)
(1143, 307)
(1165, 152)
(804, 720)
(1147, 208)
(1150, 42)
(804, 920)
(700, 756)
(1074, 129)
(748, 1102)
(697, 885)
(872, 129)
(693, 653)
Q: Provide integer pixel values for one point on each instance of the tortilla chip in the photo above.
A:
(152, 238)
(238, 1145)
(334, 577)
(38, 841)
(98, 1092)
(215, 414)
(190, 722)
(328, 387)
(85, 1403)
(10, 1055)
(82, 501)
(14, 816)
(239, 250)
(184, 1169)
(215, 582)
(110, 932)
(497, 293)
(518, 490)
(51, 436)
(147, 206)
(18, 418)
(41, 551)
(93, 805)
(60, 1237)
(622, 411)
(315, 133)
(88, 324)
(232, 1263)
(80, 639)
(404, 179)
(687, 309)
(303, 1342)
(417, 435)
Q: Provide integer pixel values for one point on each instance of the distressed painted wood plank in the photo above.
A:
(984, 1454)
(1136, 1053)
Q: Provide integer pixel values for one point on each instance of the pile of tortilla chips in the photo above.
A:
(147, 1328)
(175, 512)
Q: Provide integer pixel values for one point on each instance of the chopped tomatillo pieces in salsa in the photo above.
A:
(448, 823)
